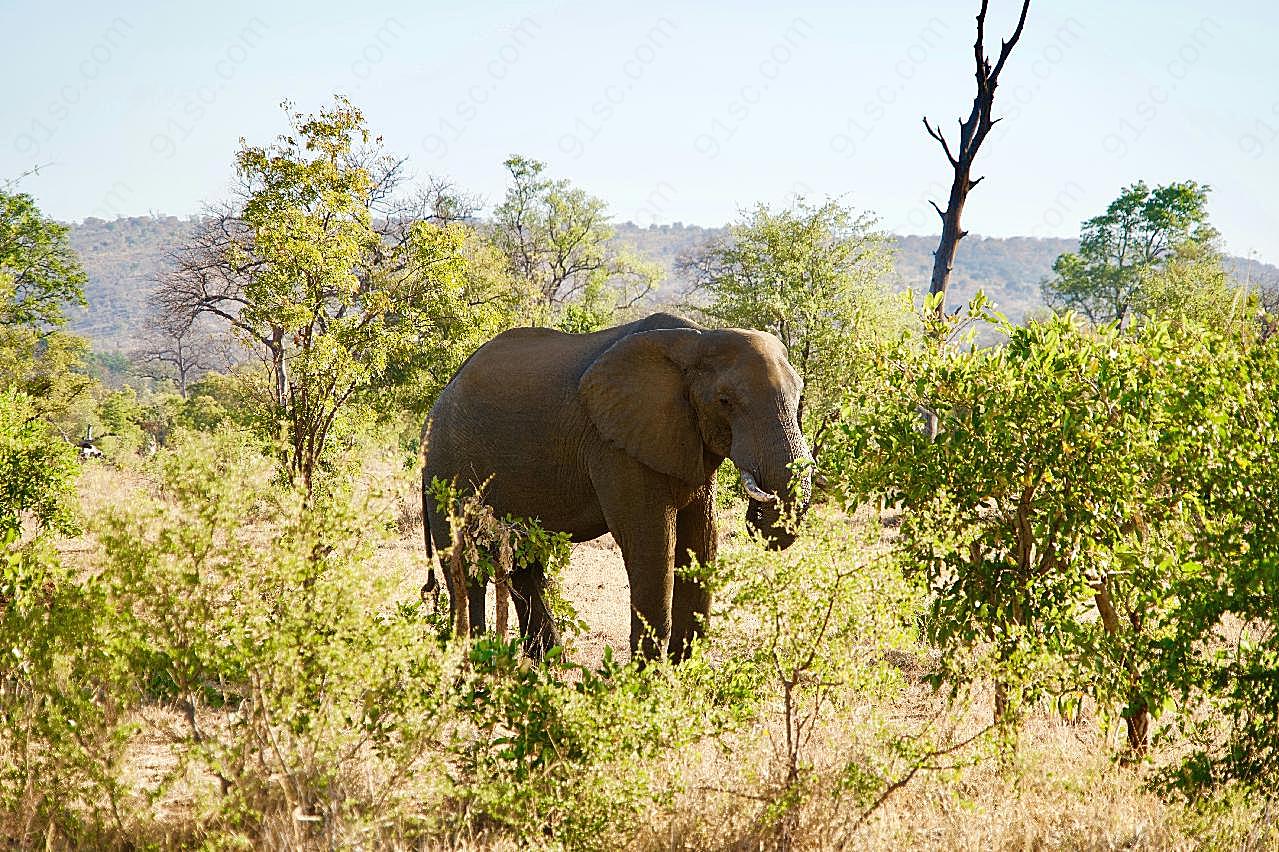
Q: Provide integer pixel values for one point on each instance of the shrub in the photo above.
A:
(1090, 521)
(325, 711)
(307, 694)
(565, 756)
(62, 692)
(488, 548)
(1221, 659)
(806, 639)
(1049, 492)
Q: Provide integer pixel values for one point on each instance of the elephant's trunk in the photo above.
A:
(779, 490)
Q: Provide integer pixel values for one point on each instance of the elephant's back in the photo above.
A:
(518, 366)
(524, 370)
(541, 360)
(511, 417)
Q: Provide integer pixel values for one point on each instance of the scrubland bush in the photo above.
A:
(812, 648)
(308, 692)
(318, 706)
(565, 756)
(1091, 529)
(1089, 498)
(62, 734)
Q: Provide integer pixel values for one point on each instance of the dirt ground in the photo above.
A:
(595, 583)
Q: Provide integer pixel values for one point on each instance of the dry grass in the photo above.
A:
(1063, 790)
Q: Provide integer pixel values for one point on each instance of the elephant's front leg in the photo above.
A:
(638, 509)
(695, 542)
(650, 568)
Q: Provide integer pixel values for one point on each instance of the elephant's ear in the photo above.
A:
(636, 396)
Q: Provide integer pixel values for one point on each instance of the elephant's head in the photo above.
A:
(680, 400)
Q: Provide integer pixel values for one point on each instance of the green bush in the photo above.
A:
(307, 692)
(327, 711)
(806, 639)
(1043, 473)
(37, 472)
(565, 756)
(62, 692)
(234, 401)
(1090, 518)
(1221, 659)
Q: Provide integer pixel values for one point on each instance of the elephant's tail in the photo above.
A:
(432, 584)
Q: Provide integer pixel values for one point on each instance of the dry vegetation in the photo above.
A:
(1062, 788)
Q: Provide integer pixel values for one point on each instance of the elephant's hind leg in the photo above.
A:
(476, 593)
(455, 572)
(695, 541)
(537, 625)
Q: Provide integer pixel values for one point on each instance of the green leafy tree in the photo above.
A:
(1054, 512)
(39, 275)
(558, 239)
(52, 369)
(814, 276)
(462, 311)
(1193, 286)
(331, 288)
(1139, 232)
(121, 415)
(39, 271)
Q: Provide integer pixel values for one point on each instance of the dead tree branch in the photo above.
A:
(972, 132)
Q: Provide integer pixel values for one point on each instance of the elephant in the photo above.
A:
(621, 431)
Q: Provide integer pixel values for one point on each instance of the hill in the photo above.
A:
(124, 256)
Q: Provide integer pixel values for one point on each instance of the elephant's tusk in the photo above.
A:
(755, 492)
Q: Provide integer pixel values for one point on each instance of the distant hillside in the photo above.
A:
(1009, 270)
(124, 256)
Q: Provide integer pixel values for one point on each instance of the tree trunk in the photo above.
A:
(279, 369)
(951, 234)
(1137, 714)
(972, 132)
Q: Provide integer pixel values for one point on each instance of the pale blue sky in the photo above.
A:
(670, 112)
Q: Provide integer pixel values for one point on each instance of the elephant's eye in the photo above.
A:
(725, 401)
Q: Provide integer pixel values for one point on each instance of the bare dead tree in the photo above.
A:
(175, 350)
(207, 277)
(972, 132)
